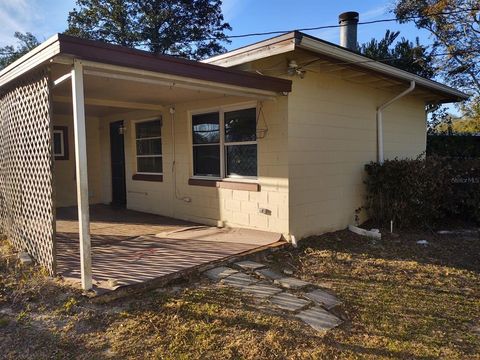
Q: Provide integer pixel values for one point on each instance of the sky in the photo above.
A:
(44, 18)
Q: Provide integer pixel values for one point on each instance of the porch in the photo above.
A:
(102, 124)
(131, 247)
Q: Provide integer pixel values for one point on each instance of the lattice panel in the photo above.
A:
(26, 179)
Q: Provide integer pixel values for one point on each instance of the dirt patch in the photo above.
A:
(400, 300)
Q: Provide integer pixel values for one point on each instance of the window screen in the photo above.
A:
(149, 146)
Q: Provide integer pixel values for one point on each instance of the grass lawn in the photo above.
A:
(401, 300)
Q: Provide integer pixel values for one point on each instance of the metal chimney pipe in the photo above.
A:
(348, 29)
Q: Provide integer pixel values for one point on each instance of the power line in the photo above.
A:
(276, 32)
(342, 25)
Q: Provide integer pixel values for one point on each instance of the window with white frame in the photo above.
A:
(60, 142)
(148, 137)
(225, 144)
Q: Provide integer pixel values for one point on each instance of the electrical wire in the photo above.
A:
(276, 32)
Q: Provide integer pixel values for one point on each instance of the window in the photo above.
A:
(225, 144)
(241, 143)
(148, 137)
(206, 144)
(60, 142)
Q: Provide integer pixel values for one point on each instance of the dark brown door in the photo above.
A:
(117, 151)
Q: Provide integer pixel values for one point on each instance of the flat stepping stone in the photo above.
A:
(249, 265)
(323, 298)
(262, 290)
(218, 273)
(239, 280)
(291, 283)
(269, 274)
(289, 302)
(319, 318)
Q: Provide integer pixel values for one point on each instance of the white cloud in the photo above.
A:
(18, 15)
(374, 13)
(16, 5)
(43, 18)
(232, 8)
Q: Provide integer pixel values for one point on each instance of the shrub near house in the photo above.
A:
(457, 146)
(423, 191)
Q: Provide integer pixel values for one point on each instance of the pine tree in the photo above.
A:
(10, 53)
(403, 54)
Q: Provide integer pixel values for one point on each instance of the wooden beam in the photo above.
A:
(81, 174)
(170, 81)
(111, 103)
(351, 74)
(61, 79)
(332, 69)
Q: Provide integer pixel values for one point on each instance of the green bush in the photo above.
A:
(423, 192)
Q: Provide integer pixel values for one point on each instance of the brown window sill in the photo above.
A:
(147, 177)
(222, 184)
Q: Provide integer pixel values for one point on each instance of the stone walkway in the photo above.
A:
(287, 294)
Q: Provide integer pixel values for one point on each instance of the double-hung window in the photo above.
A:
(148, 138)
(225, 144)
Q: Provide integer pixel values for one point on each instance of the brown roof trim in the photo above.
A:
(122, 56)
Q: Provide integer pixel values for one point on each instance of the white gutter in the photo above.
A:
(39, 55)
(380, 154)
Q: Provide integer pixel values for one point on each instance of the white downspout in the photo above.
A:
(380, 155)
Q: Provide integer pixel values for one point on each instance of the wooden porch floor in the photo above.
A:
(130, 247)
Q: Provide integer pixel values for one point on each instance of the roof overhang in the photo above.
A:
(63, 49)
(297, 40)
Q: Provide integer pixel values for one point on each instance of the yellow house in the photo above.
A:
(333, 125)
(273, 136)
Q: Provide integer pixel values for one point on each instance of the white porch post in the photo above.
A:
(78, 98)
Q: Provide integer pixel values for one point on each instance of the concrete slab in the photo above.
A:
(224, 235)
(323, 298)
(268, 274)
(262, 290)
(289, 302)
(291, 283)
(249, 265)
(319, 318)
(219, 273)
(239, 280)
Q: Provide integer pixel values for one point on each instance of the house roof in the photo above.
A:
(64, 46)
(298, 40)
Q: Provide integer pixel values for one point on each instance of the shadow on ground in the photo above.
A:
(453, 250)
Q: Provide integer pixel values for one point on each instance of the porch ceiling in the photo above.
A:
(113, 89)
